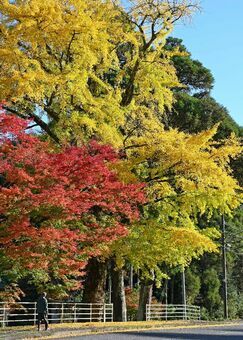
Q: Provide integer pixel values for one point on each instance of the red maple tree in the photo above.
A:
(59, 206)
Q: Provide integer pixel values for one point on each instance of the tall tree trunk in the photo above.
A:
(118, 297)
(109, 287)
(138, 279)
(145, 296)
(172, 281)
(131, 276)
(94, 285)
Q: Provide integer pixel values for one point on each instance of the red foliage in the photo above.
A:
(58, 207)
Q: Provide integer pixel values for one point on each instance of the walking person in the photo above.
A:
(42, 310)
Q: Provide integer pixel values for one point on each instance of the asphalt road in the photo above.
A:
(227, 332)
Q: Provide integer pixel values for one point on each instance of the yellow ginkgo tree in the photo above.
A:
(187, 176)
(88, 68)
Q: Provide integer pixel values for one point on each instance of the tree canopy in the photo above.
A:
(58, 207)
(86, 68)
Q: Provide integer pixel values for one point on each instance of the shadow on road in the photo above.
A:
(187, 336)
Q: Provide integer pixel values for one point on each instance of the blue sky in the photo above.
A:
(215, 37)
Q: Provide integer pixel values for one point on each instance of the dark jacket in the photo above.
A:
(42, 305)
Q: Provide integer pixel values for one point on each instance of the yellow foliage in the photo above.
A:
(57, 57)
(151, 243)
(190, 172)
(187, 176)
(51, 50)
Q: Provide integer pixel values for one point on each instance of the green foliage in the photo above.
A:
(234, 241)
(194, 114)
(194, 109)
(191, 73)
(193, 285)
(240, 305)
(211, 292)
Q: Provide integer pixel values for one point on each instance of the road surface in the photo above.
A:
(226, 332)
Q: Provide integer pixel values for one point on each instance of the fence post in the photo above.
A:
(166, 317)
(185, 313)
(147, 312)
(90, 311)
(74, 313)
(62, 312)
(35, 313)
(104, 312)
(4, 315)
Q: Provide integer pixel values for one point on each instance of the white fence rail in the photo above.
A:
(24, 313)
(172, 312)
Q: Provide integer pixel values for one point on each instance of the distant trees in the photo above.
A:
(195, 110)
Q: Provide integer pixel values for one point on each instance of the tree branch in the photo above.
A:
(36, 119)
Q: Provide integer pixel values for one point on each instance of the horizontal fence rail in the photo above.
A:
(25, 313)
(172, 312)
